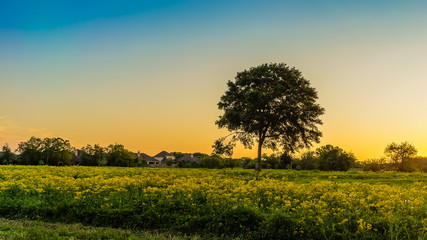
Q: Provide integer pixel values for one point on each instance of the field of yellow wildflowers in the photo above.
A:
(276, 204)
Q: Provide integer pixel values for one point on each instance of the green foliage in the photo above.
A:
(50, 151)
(7, 156)
(223, 148)
(169, 162)
(178, 154)
(420, 163)
(334, 158)
(117, 155)
(275, 161)
(213, 161)
(200, 155)
(309, 161)
(30, 151)
(93, 156)
(272, 104)
(400, 154)
(375, 165)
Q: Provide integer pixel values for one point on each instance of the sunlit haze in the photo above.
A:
(149, 74)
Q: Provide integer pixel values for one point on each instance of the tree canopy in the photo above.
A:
(273, 105)
(49, 151)
(333, 158)
(400, 153)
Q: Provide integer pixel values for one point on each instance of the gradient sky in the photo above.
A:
(148, 74)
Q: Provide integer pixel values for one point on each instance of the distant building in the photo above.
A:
(149, 160)
(163, 157)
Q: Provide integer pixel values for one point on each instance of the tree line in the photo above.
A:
(57, 151)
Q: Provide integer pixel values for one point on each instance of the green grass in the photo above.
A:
(37, 230)
(389, 178)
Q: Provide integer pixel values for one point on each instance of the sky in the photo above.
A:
(149, 74)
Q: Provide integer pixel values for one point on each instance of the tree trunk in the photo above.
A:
(258, 163)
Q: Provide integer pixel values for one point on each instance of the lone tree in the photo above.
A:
(273, 105)
(400, 153)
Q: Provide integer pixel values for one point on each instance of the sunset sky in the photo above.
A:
(149, 74)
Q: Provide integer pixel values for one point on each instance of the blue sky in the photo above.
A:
(134, 71)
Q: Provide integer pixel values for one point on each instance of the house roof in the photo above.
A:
(163, 154)
(146, 157)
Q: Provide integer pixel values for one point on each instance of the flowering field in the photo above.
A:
(276, 204)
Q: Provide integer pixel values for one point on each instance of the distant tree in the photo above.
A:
(7, 157)
(332, 158)
(286, 161)
(375, 164)
(273, 105)
(30, 151)
(178, 154)
(247, 163)
(100, 155)
(49, 151)
(308, 161)
(117, 155)
(56, 150)
(270, 161)
(93, 156)
(213, 161)
(200, 155)
(421, 163)
(400, 153)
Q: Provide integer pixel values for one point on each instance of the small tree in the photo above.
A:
(272, 104)
(400, 153)
(334, 158)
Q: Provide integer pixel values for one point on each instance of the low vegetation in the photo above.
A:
(22, 229)
(225, 203)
